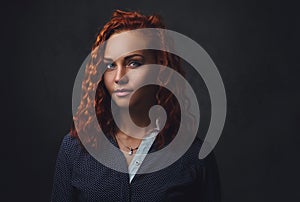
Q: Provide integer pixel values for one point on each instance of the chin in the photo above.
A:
(121, 103)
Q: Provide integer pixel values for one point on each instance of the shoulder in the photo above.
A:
(70, 146)
(70, 142)
(205, 171)
(192, 154)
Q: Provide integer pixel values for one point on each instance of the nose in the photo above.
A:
(120, 76)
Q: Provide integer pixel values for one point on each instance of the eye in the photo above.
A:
(134, 64)
(110, 66)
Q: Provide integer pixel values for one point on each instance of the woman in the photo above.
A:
(79, 176)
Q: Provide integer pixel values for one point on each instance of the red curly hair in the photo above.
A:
(124, 21)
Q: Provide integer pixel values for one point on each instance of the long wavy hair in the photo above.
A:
(119, 22)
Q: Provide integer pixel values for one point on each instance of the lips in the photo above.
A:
(122, 92)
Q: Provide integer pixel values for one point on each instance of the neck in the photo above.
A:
(139, 118)
(139, 115)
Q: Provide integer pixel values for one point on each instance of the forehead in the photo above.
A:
(124, 43)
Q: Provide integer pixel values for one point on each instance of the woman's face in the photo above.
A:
(125, 74)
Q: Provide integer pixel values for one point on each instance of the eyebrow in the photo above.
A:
(125, 58)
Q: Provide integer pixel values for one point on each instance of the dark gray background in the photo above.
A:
(253, 43)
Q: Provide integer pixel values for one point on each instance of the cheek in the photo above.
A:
(145, 75)
(107, 80)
